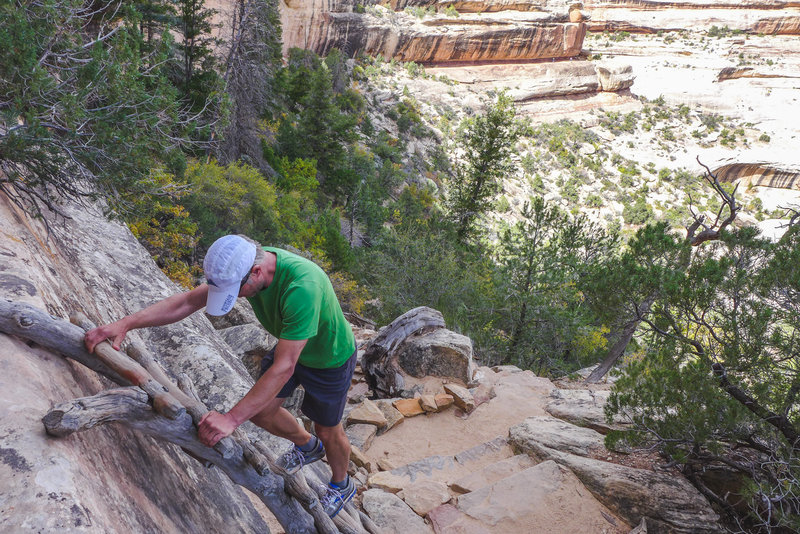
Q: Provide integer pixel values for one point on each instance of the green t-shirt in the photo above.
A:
(300, 304)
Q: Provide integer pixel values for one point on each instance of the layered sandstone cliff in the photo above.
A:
(769, 17)
(434, 38)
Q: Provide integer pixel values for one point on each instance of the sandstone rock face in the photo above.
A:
(551, 433)
(583, 408)
(109, 479)
(526, 82)
(631, 493)
(767, 174)
(649, 16)
(250, 342)
(392, 515)
(439, 353)
(425, 495)
(526, 501)
(323, 25)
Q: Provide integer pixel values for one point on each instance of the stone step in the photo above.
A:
(544, 498)
(492, 473)
(444, 468)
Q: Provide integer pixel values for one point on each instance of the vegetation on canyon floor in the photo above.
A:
(410, 203)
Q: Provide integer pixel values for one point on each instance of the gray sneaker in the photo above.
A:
(335, 499)
(294, 459)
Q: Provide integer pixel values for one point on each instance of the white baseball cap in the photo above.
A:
(226, 264)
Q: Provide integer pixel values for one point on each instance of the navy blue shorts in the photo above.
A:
(325, 389)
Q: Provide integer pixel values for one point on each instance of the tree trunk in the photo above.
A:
(618, 348)
(378, 362)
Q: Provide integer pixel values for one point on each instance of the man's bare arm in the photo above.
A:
(214, 426)
(170, 310)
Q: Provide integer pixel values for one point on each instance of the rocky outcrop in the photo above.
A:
(533, 81)
(392, 515)
(583, 408)
(439, 353)
(416, 344)
(529, 497)
(632, 493)
(111, 479)
(435, 39)
(760, 174)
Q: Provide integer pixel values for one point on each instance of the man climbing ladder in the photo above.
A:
(294, 301)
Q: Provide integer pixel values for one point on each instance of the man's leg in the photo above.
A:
(337, 449)
(277, 420)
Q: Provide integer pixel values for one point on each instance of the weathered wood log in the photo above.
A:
(57, 335)
(378, 362)
(163, 401)
(130, 407)
(240, 460)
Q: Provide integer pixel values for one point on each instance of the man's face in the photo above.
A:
(249, 285)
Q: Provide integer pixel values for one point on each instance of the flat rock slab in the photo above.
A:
(392, 414)
(408, 407)
(583, 407)
(367, 413)
(545, 498)
(633, 494)
(425, 495)
(492, 473)
(537, 432)
(361, 435)
(461, 396)
(391, 514)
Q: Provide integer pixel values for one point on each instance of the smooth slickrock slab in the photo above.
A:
(492, 473)
(544, 431)
(631, 493)
(543, 498)
(583, 408)
(425, 495)
(392, 515)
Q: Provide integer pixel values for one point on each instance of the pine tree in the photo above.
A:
(487, 141)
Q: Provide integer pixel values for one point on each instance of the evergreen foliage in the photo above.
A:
(544, 260)
(487, 141)
(717, 383)
(81, 107)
